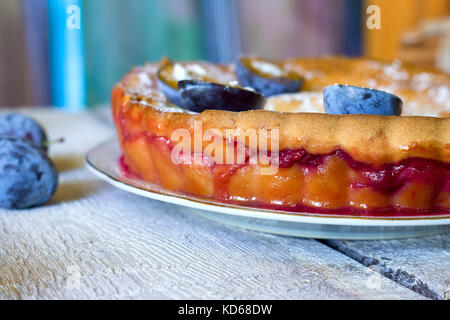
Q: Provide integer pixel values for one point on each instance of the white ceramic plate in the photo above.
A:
(103, 161)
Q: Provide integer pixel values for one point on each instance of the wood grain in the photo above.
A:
(421, 264)
(93, 241)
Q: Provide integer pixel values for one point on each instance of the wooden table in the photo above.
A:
(93, 241)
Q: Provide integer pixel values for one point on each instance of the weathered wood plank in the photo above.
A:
(95, 241)
(421, 264)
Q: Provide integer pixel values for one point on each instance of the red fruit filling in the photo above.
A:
(331, 183)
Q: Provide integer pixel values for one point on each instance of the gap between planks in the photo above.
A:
(401, 277)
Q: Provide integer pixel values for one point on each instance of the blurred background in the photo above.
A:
(69, 53)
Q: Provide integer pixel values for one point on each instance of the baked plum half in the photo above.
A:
(344, 99)
(267, 77)
(170, 73)
(197, 96)
(168, 85)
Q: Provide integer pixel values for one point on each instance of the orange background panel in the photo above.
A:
(398, 17)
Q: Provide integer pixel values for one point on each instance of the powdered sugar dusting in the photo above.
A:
(145, 79)
(298, 69)
(297, 102)
(267, 68)
(188, 71)
(180, 73)
(394, 78)
(395, 71)
(441, 95)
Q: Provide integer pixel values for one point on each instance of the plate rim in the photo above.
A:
(200, 204)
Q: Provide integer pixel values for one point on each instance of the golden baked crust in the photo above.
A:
(367, 138)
